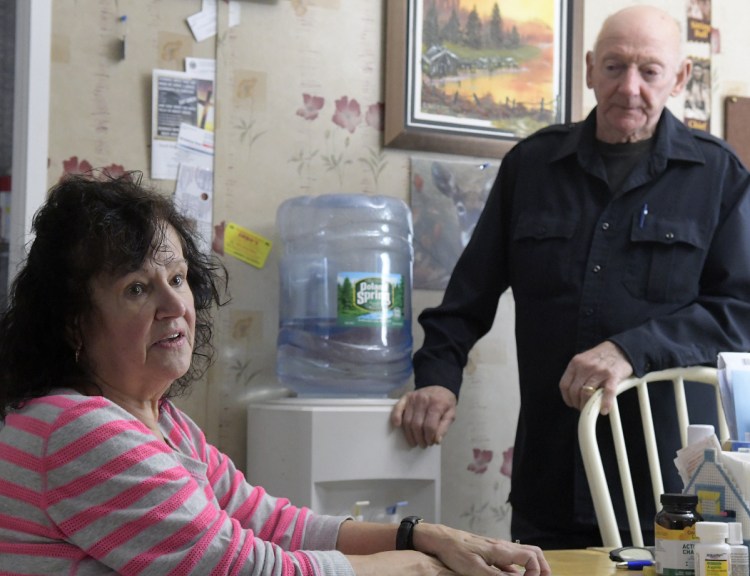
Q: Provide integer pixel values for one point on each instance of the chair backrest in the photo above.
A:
(592, 460)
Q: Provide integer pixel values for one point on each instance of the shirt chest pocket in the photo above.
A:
(541, 255)
(666, 258)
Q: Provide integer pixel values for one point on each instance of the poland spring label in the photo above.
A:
(368, 299)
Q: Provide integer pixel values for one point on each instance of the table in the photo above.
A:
(591, 562)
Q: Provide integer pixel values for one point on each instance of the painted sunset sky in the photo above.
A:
(518, 10)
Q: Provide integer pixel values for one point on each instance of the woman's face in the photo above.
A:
(139, 337)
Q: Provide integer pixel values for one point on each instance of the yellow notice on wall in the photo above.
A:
(245, 245)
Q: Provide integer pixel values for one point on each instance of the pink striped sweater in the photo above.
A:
(86, 489)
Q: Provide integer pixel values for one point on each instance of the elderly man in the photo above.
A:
(626, 242)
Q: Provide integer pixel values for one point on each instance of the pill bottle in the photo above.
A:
(699, 432)
(738, 550)
(674, 531)
(712, 553)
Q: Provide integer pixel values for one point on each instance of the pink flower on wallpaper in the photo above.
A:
(348, 114)
(114, 170)
(311, 107)
(300, 7)
(72, 166)
(507, 466)
(418, 182)
(374, 116)
(481, 459)
(217, 245)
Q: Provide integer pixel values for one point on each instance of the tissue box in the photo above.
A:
(722, 484)
(734, 384)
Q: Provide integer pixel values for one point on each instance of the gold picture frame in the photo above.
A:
(403, 130)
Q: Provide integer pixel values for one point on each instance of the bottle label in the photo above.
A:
(370, 299)
(739, 560)
(674, 551)
(715, 567)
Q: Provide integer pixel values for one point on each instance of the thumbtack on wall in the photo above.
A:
(122, 19)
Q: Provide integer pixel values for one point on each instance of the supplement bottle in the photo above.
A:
(345, 302)
(712, 554)
(674, 531)
(737, 550)
(699, 432)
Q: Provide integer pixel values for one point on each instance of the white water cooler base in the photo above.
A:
(328, 454)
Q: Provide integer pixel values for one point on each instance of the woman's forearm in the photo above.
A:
(357, 538)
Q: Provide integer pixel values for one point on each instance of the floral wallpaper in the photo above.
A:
(336, 155)
(73, 166)
(481, 465)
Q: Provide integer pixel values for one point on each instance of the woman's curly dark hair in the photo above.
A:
(91, 225)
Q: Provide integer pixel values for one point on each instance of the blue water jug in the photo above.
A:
(345, 302)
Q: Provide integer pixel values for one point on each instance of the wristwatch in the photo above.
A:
(405, 534)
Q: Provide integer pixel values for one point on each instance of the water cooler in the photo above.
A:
(328, 454)
(344, 344)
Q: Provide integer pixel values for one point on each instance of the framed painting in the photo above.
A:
(472, 77)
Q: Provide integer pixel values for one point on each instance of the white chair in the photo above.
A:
(592, 460)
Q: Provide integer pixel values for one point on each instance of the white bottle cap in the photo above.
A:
(735, 533)
(711, 531)
(698, 432)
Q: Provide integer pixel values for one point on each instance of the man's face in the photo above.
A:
(633, 71)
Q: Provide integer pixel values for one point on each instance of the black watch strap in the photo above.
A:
(405, 534)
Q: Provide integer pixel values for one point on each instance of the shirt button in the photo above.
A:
(669, 235)
(605, 226)
(596, 269)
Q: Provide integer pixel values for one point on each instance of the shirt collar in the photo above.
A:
(674, 141)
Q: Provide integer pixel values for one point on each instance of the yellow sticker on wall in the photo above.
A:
(245, 245)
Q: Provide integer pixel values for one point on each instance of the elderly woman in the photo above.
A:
(100, 473)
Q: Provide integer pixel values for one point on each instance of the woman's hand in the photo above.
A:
(398, 563)
(471, 555)
(440, 551)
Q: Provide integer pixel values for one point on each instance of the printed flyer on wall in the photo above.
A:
(179, 100)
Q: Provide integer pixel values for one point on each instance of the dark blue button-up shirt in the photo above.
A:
(662, 268)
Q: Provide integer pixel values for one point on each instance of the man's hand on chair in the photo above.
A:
(603, 366)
